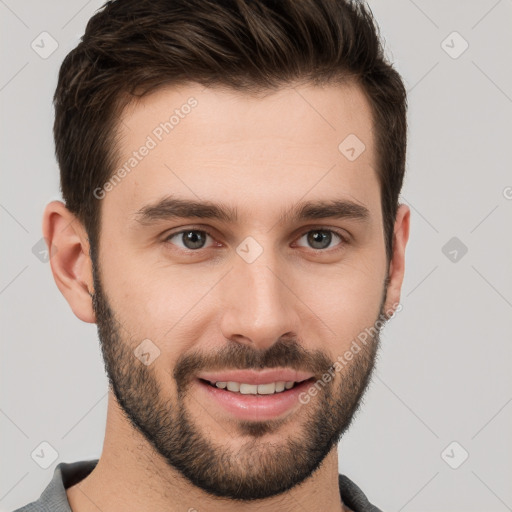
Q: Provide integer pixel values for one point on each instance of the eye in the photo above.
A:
(320, 239)
(196, 239)
(192, 239)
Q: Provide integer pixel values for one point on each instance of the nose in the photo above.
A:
(258, 301)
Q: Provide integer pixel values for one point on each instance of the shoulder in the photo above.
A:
(353, 497)
(54, 497)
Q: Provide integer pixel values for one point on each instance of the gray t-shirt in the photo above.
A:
(54, 498)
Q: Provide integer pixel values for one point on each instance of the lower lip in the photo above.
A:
(255, 407)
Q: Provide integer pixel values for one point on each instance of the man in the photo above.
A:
(231, 173)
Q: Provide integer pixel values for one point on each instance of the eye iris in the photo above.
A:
(194, 238)
(323, 236)
(197, 239)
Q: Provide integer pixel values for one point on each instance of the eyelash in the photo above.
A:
(344, 238)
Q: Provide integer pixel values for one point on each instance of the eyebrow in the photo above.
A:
(171, 207)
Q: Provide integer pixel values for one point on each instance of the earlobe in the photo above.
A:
(69, 258)
(397, 263)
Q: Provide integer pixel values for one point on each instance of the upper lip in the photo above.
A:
(256, 377)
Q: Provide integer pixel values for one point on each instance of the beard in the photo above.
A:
(257, 469)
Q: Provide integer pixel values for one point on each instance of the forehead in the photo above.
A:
(266, 150)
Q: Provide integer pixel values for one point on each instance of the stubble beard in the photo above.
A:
(258, 468)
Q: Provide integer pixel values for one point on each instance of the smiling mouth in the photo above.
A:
(253, 401)
(242, 388)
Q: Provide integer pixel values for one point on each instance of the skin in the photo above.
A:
(261, 155)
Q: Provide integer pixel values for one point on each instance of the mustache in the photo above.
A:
(235, 356)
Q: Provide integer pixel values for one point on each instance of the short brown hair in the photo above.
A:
(132, 47)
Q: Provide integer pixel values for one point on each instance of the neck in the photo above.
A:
(130, 476)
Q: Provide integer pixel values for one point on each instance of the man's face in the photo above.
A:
(198, 298)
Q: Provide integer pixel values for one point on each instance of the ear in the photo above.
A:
(68, 247)
(397, 263)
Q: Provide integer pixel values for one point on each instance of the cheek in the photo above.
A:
(167, 305)
(346, 300)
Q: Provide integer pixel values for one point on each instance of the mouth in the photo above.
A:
(245, 388)
(253, 402)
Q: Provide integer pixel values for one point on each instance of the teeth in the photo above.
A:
(233, 386)
(255, 389)
(267, 389)
(248, 389)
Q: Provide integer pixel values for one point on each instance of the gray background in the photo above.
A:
(444, 372)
